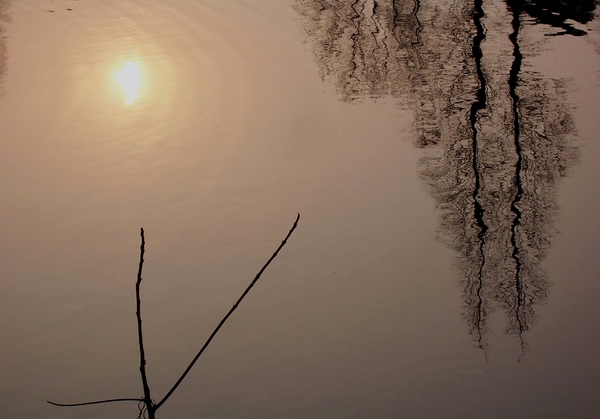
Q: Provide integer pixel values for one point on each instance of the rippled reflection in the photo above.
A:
(496, 137)
(129, 78)
(3, 19)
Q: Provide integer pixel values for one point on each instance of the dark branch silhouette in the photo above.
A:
(256, 278)
(96, 402)
(146, 404)
(147, 399)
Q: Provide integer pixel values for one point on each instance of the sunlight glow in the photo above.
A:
(129, 78)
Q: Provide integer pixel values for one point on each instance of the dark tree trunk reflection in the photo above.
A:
(496, 136)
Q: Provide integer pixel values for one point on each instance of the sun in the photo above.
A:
(129, 78)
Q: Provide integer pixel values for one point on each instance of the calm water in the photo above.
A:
(442, 155)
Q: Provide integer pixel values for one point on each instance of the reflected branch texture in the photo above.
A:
(496, 136)
(4, 4)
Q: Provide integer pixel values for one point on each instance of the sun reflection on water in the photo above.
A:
(129, 78)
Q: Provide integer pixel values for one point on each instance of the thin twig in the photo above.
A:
(95, 402)
(147, 398)
(164, 399)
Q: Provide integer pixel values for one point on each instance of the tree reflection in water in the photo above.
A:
(496, 136)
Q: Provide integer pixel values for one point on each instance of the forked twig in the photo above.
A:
(151, 407)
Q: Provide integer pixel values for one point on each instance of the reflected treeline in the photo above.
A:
(3, 20)
(495, 135)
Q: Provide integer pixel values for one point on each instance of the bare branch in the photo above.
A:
(95, 402)
(258, 275)
(147, 398)
(147, 401)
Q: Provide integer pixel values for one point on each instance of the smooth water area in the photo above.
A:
(442, 156)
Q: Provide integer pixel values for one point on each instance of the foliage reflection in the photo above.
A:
(496, 137)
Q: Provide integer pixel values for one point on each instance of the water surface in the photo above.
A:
(442, 155)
